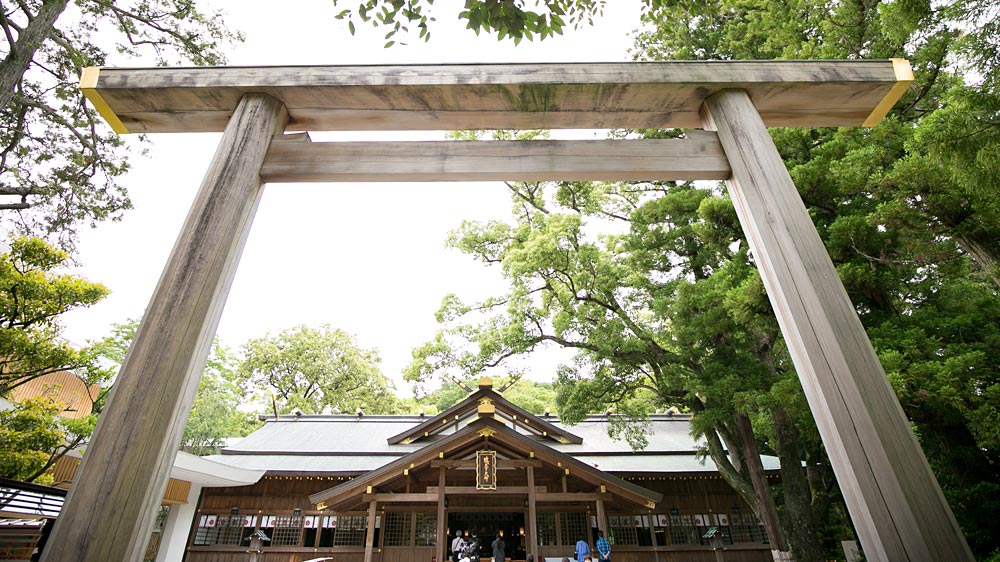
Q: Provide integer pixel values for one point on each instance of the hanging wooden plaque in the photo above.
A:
(486, 470)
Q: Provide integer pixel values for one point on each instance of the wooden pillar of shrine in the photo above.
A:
(370, 531)
(442, 527)
(532, 526)
(895, 502)
(112, 505)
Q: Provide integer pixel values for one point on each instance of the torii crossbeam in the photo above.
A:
(893, 497)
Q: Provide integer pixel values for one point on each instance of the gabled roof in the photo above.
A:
(498, 435)
(489, 399)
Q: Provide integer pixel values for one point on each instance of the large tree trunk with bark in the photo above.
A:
(985, 256)
(768, 513)
(798, 515)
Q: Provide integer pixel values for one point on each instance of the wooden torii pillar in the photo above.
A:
(894, 500)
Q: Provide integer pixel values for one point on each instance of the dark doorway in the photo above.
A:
(486, 525)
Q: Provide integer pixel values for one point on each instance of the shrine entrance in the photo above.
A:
(485, 524)
(893, 498)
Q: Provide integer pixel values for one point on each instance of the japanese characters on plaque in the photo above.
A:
(486, 470)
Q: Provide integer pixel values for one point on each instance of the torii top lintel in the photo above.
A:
(498, 96)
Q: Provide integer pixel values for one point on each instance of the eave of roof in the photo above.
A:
(468, 434)
(469, 405)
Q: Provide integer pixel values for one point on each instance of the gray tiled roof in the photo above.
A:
(339, 443)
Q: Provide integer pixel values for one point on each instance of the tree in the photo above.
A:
(218, 411)
(216, 414)
(616, 299)
(505, 18)
(316, 370)
(907, 209)
(61, 164)
(33, 296)
(29, 432)
(34, 293)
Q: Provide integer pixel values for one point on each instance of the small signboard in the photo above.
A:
(486, 470)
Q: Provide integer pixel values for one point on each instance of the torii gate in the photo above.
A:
(893, 497)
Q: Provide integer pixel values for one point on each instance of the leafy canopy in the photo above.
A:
(60, 166)
(34, 293)
(506, 18)
(316, 370)
(218, 411)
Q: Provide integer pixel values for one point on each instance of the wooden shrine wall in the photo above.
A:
(280, 495)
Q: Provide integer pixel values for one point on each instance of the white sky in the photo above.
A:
(366, 258)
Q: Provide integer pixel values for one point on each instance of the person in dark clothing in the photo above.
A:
(498, 547)
(473, 548)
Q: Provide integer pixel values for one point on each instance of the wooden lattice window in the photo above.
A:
(426, 529)
(546, 525)
(287, 531)
(219, 529)
(397, 529)
(622, 529)
(350, 530)
(574, 527)
(682, 530)
(745, 528)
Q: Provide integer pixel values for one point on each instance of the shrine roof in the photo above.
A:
(353, 444)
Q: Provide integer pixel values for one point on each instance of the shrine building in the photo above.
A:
(390, 488)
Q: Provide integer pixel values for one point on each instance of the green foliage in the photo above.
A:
(29, 434)
(907, 209)
(33, 295)
(535, 397)
(57, 158)
(216, 412)
(316, 371)
(508, 19)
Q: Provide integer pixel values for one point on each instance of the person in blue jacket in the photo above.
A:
(603, 548)
(582, 550)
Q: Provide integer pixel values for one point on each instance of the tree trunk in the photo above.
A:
(733, 477)
(797, 517)
(23, 50)
(983, 255)
(768, 512)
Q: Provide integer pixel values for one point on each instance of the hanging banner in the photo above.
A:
(486, 470)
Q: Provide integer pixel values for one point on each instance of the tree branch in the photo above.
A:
(23, 50)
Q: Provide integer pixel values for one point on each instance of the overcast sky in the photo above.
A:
(366, 258)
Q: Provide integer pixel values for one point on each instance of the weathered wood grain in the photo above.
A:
(370, 531)
(442, 535)
(110, 508)
(698, 157)
(498, 96)
(531, 539)
(894, 500)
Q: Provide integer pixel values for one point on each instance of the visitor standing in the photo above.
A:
(498, 547)
(582, 550)
(457, 545)
(603, 548)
